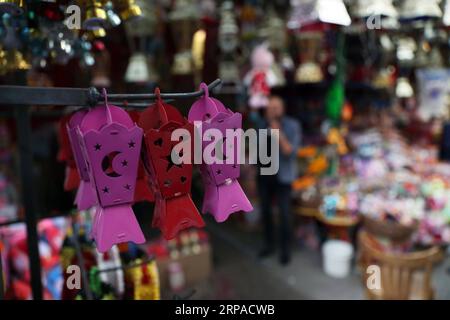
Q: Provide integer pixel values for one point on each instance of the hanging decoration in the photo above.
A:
(310, 45)
(183, 17)
(170, 181)
(85, 197)
(419, 9)
(143, 191)
(223, 193)
(95, 15)
(112, 144)
(383, 8)
(141, 36)
(66, 155)
(128, 9)
(12, 7)
(306, 12)
(274, 31)
(446, 17)
(228, 43)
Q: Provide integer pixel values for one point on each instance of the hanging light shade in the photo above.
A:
(113, 18)
(13, 7)
(367, 8)
(446, 18)
(415, 9)
(228, 28)
(404, 88)
(311, 11)
(185, 10)
(274, 30)
(137, 70)
(95, 15)
(128, 9)
(146, 25)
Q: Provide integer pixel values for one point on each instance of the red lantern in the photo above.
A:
(142, 191)
(171, 182)
(65, 154)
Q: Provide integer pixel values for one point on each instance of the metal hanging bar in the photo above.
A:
(151, 96)
(38, 96)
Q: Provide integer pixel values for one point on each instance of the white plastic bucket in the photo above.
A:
(337, 256)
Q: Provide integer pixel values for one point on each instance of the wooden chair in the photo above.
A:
(405, 276)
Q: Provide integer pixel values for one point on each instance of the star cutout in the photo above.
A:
(131, 144)
(171, 163)
(127, 186)
(97, 147)
(124, 163)
(105, 190)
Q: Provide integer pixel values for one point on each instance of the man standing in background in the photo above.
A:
(279, 186)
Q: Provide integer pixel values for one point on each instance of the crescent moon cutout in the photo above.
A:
(107, 165)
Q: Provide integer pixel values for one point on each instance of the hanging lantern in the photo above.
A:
(145, 26)
(228, 28)
(306, 12)
(137, 70)
(183, 18)
(95, 15)
(170, 179)
(309, 70)
(446, 18)
(111, 142)
(379, 13)
(128, 9)
(113, 18)
(223, 193)
(198, 50)
(228, 43)
(368, 8)
(274, 30)
(12, 60)
(12, 7)
(143, 191)
(65, 154)
(406, 49)
(3, 62)
(101, 70)
(404, 88)
(415, 9)
(85, 197)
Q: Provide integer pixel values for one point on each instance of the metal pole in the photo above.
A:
(23, 121)
(23, 96)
